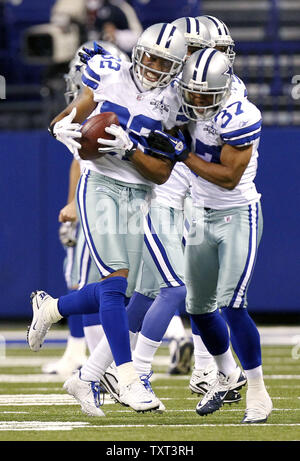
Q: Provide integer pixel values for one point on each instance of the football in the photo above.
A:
(93, 129)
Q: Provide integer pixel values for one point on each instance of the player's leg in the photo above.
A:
(245, 232)
(74, 273)
(181, 346)
(163, 257)
(106, 209)
(87, 274)
(75, 352)
(201, 278)
(99, 217)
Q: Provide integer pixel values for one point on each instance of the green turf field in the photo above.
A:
(34, 407)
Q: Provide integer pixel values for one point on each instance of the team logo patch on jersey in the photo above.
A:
(210, 129)
(159, 105)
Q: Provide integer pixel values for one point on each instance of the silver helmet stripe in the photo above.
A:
(217, 24)
(202, 64)
(190, 24)
(168, 37)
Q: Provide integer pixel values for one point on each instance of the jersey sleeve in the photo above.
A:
(99, 71)
(240, 124)
(238, 87)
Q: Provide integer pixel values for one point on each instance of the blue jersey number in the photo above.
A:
(208, 152)
(110, 62)
(139, 125)
(227, 116)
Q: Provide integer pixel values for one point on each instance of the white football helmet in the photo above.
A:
(161, 40)
(220, 34)
(205, 84)
(73, 78)
(195, 32)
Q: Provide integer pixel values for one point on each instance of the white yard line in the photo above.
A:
(41, 399)
(70, 425)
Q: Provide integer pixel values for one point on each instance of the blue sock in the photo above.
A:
(244, 336)
(114, 318)
(136, 310)
(213, 331)
(89, 320)
(162, 310)
(76, 326)
(84, 301)
(194, 327)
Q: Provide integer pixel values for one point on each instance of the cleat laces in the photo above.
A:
(98, 393)
(146, 381)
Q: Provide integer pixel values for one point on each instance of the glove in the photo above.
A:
(65, 131)
(121, 146)
(67, 234)
(168, 146)
(88, 53)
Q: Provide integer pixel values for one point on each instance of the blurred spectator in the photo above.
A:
(153, 11)
(113, 21)
(66, 12)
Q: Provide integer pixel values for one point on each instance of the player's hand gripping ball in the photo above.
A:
(93, 129)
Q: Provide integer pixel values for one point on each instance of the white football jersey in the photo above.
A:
(238, 88)
(237, 124)
(138, 113)
(173, 192)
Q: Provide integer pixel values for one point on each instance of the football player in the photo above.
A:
(79, 268)
(123, 177)
(224, 132)
(216, 34)
(222, 40)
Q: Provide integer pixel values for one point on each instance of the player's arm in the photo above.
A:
(152, 168)
(68, 212)
(65, 127)
(227, 173)
(74, 176)
(84, 104)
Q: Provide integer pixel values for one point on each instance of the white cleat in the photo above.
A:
(138, 397)
(87, 393)
(111, 384)
(215, 397)
(258, 407)
(202, 379)
(41, 322)
(146, 382)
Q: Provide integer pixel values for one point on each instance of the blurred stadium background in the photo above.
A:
(34, 167)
